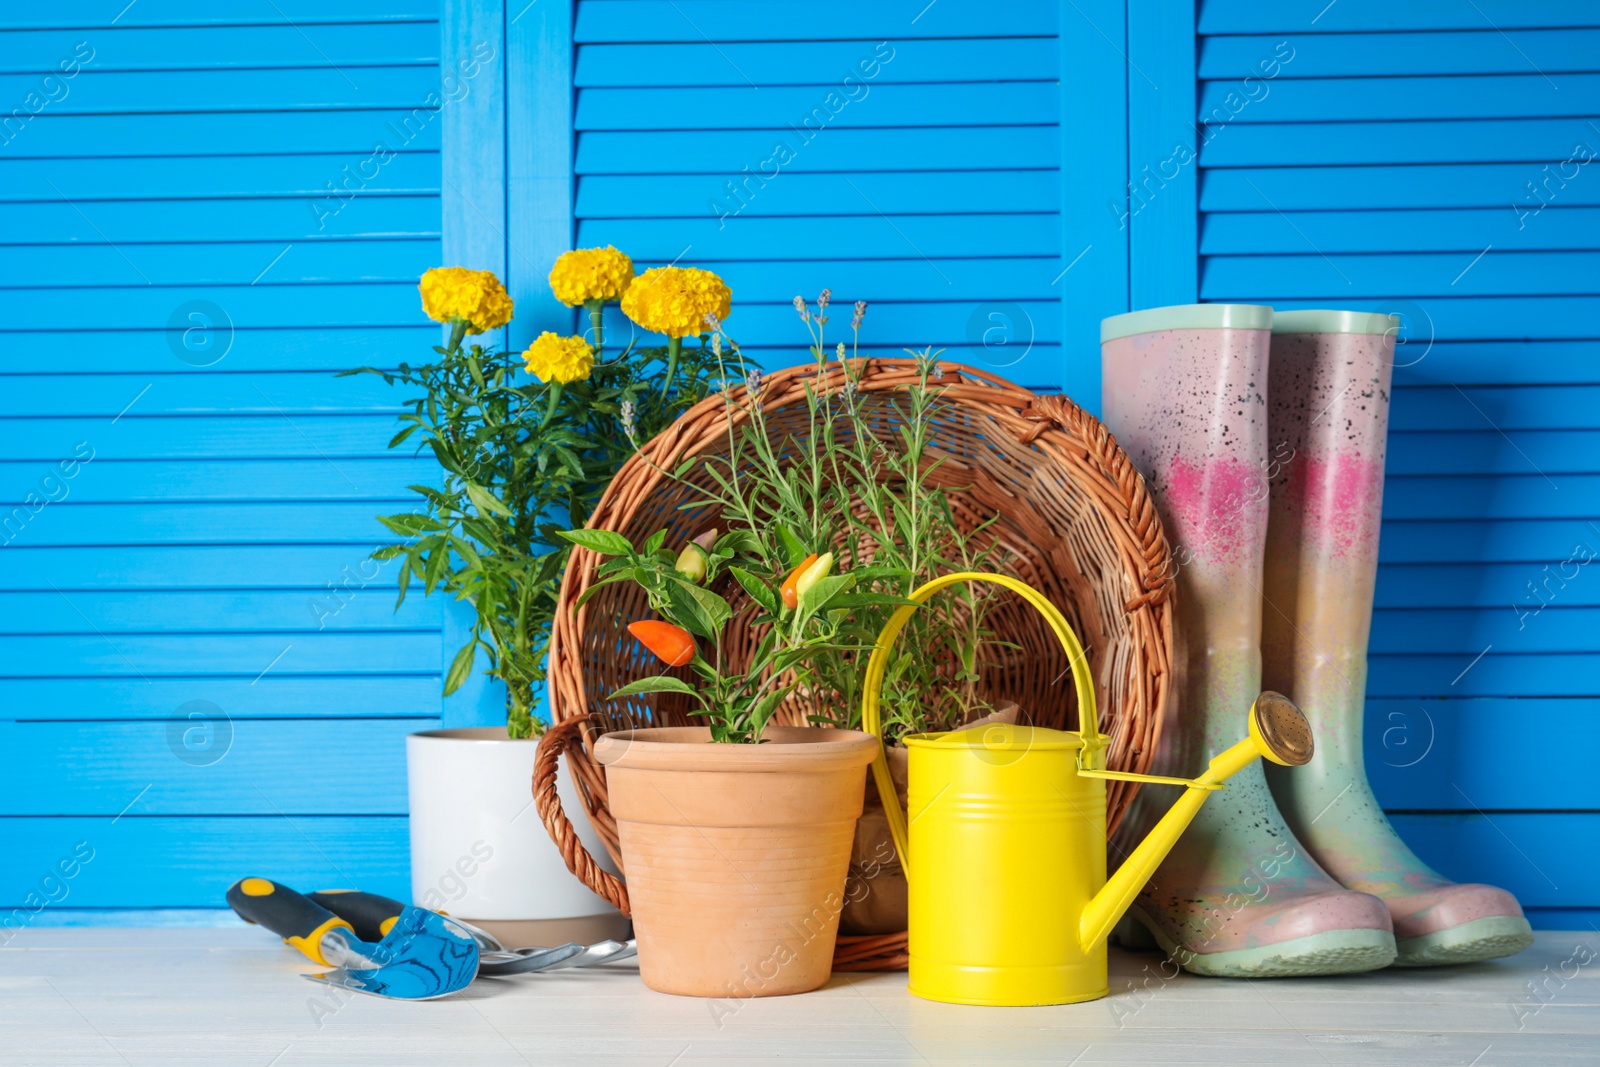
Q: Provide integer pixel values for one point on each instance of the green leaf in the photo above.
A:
(759, 591)
(590, 592)
(902, 517)
(765, 707)
(411, 525)
(435, 569)
(793, 548)
(735, 541)
(696, 610)
(877, 572)
(569, 460)
(658, 683)
(467, 552)
(434, 495)
(407, 562)
(485, 500)
(460, 667)
(602, 541)
(713, 605)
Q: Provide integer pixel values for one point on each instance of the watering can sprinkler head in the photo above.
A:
(1280, 730)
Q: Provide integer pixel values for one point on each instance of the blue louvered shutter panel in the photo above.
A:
(908, 160)
(201, 232)
(201, 229)
(1436, 161)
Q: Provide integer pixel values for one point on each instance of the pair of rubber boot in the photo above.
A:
(1262, 438)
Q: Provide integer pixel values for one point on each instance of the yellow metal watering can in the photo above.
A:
(1006, 849)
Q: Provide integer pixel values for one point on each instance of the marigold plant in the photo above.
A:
(522, 460)
(559, 360)
(457, 296)
(676, 300)
(587, 275)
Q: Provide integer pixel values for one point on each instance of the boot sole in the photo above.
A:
(1472, 942)
(1333, 952)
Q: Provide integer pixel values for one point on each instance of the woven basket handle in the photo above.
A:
(546, 762)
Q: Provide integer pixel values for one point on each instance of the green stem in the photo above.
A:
(596, 314)
(519, 720)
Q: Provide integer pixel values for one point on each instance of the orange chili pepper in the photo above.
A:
(791, 595)
(672, 645)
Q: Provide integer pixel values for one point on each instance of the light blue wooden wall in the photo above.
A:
(208, 209)
(974, 188)
(906, 154)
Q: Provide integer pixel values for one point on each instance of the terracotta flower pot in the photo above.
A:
(735, 855)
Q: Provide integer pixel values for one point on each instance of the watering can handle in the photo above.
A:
(878, 665)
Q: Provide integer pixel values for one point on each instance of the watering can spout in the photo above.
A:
(1278, 731)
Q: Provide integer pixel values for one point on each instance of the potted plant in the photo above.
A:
(737, 834)
(526, 442)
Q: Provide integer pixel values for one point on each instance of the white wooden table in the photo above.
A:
(234, 996)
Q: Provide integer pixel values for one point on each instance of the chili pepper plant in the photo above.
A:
(802, 612)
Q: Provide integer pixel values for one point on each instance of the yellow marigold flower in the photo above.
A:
(450, 293)
(586, 274)
(559, 359)
(676, 300)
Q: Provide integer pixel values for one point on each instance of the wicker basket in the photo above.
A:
(1074, 521)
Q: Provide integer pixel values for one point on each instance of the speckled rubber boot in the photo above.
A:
(1185, 393)
(1328, 409)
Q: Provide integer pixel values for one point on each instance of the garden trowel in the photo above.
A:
(372, 915)
(420, 955)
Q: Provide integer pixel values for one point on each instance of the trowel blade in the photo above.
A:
(423, 958)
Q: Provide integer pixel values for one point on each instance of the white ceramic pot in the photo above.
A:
(478, 849)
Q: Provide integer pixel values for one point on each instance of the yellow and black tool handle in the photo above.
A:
(297, 919)
(371, 915)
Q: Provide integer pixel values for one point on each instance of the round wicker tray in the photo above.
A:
(1074, 521)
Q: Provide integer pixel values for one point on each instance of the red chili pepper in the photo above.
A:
(791, 595)
(671, 644)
